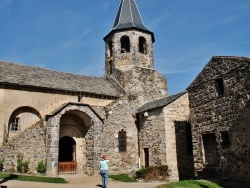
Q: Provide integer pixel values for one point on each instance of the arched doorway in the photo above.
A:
(67, 146)
(67, 155)
(81, 123)
(72, 141)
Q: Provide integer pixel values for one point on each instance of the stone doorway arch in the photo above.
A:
(74, 127)
(84, 125)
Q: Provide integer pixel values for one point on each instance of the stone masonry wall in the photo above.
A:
(43, 103)
(152, 136)
(133, 57)
(120, 116)
(29, 143)
(237, 157)
(176, 111)
(210, 113)
(158, 133)
(144, 84)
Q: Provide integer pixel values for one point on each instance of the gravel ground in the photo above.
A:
(76, 181)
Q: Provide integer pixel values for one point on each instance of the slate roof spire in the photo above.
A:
(128, 17)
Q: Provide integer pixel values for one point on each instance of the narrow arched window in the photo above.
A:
(142, 45)
(125, 44)
(110, 48)
(122, 138)
(110, 67)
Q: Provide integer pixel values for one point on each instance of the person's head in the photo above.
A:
(104, 157)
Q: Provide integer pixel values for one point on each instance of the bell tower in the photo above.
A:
(129, 42)
(129, 48)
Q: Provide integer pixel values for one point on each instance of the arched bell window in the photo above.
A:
(110, 48)
(125, 44)
(142, 45)
(110, 67)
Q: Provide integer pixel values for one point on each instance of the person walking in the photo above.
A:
(104, 170)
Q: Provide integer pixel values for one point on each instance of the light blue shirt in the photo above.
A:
(104, 165)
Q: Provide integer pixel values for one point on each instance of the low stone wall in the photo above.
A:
(30, 143)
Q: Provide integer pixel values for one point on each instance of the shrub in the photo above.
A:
(153, 173)
(25, 166)
(41, 166)
(122, 178)
(19, 163)
(139, 173)
(22, 166)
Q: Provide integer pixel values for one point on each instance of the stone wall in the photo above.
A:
(184, 150)
(120, 116)
(159, 131)
(215, 114)
(133, 57)
(144, 84)
(29, 143)
(135, 70)
(152, 136)
(42, 103)
(177, 111)
(237, 157)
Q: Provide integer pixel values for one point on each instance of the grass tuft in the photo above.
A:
(191, 184)
(31, 178)
(122, 178)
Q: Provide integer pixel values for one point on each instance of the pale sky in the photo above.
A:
(67, 35)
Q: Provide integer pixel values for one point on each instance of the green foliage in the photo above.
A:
(139, 173)
(19, 163)
(122, 178)
(191, 184)
(25, 166)
(41, 166)
(153, 173)
(31, 178)
(1, 164)
(22, 165)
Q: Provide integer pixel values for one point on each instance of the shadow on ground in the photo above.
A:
(10, 177)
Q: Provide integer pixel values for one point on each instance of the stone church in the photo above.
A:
(70, 120)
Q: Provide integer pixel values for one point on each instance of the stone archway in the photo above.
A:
(74, 125)
(84, 126)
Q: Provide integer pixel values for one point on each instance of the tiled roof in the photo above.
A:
(216, 61)
(13, 74)
(128, 17)
(159, 103)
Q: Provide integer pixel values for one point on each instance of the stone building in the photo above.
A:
(219, 104)
(58, 117)
(65, 118)
(166, 123)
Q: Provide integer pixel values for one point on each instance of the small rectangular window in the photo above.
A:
(122, 139)
(219, 86)
(225, 142)
(14, 127)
